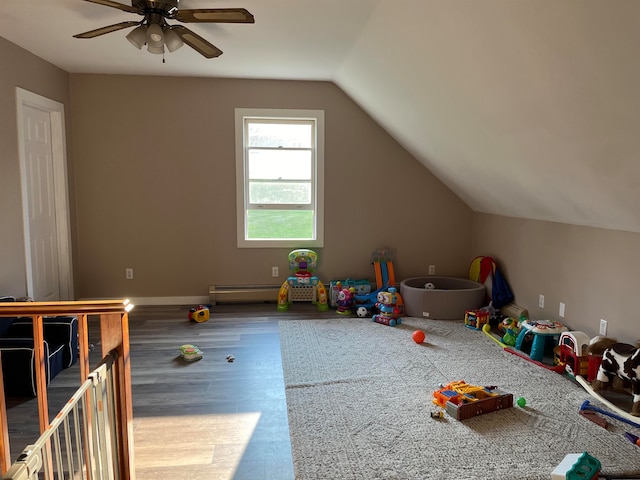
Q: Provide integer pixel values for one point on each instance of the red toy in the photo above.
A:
(418, 336)
(573, 352)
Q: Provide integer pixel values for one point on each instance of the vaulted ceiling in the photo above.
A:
(524, 108)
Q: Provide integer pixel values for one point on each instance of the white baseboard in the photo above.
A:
(194, 301)
(243, 293)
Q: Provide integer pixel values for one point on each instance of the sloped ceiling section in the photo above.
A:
(523, 108)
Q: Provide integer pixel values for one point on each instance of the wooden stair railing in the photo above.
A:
(114, 335)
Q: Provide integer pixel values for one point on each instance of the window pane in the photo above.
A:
(280, 135)
(280, 224)
(280, 178)
(280, 164)
(287, 193)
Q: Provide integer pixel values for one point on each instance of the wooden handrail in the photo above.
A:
(90, 307)
(114, 335)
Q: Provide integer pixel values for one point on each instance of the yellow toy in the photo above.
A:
(199, 314)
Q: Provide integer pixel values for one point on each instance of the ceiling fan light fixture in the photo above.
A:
(171, 39)
(138, 36)
(154, 35)
(158, 49)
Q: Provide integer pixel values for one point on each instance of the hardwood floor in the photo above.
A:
(209, 419)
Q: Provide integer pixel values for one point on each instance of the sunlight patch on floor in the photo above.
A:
(192, 440)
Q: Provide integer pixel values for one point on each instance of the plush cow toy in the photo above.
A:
(623, 361)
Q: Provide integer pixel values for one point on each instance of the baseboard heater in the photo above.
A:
(243, 293)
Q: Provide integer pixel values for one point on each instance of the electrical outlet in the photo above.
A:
(541, 301)
(561, 310)
(274, 271)
(128, 273)
(432, 269)
(603, 327)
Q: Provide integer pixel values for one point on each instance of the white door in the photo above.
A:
(41, 205)
(44, 204)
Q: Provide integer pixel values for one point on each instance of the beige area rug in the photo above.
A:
(359, 401)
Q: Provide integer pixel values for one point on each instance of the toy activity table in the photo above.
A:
(542, 330)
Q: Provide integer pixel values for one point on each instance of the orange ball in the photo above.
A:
(418, 336)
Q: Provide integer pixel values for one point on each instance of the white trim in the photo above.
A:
(192, 300)
(61, 187)
(318, 116)
(204, 300)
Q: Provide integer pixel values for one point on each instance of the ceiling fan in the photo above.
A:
(154, 31)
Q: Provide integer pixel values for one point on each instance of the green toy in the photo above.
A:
(190, 352)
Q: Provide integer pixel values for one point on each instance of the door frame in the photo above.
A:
(60, 185)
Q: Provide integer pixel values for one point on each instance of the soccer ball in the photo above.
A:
(362, 312)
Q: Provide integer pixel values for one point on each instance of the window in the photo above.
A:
(280, 178)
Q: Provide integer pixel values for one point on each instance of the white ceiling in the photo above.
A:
(525, 108)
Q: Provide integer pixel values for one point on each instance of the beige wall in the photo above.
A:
(19, 69)
(593, 271)
(155, 188)
(154, 162)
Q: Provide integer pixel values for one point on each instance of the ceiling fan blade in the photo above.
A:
(119, 6)
(214, 15)
(195, 41)
(111, 28)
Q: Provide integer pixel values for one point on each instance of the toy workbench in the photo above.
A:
(462, 400)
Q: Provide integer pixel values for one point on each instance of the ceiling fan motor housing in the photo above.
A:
(165, 7)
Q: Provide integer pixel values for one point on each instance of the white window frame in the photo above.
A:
(242, 193)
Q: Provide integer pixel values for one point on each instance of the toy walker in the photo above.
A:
(382, 261)
(302, 285)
